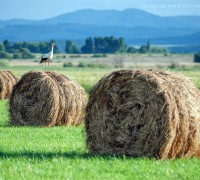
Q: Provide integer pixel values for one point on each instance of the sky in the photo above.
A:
(42, 9)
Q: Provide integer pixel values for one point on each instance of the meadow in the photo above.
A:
(61, 153)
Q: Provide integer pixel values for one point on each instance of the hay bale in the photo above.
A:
(144, 113)
(7, 81)
(47, 99)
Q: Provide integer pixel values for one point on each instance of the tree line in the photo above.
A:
(197, 57)
(91, 45)
(110, 45)
(24, 50)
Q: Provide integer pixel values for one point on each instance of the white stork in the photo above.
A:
(48, 57)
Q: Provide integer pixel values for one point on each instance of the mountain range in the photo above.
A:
(135, 25)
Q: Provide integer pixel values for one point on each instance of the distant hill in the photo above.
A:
(127, 18)
(132, 24)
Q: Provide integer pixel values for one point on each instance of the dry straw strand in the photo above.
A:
(46, 98)
(144, 113)
(7, 81)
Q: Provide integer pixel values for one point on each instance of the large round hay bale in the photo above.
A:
(7, 81)
(47, 99)
(144, 113)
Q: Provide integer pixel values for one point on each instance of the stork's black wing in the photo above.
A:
(43, 60)
(45, 57)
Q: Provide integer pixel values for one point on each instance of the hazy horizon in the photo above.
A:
(43, 9)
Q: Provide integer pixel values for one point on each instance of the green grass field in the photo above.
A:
(61, 153)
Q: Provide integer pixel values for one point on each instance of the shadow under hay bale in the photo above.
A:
(47, 99)
(7, 81)
(144, 113)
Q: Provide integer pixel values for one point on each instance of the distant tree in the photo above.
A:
(26, 44)
(148, 45)
(88, 47)
(122, 45)
(76, 49)
(143, 49)
(132, 50)
(158, 50)
(17, 55)
(113, 44)
(43, 47)
(109, 45)
(99, 45)
(7, 45)
(2, 48)
(71, 47)
(154, 50)
(17, 46)
(34, 47)
(197, 57)
(5, 55)
(25, 54)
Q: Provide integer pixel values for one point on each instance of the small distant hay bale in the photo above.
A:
(47, 99)
(144, 113)
(7, 81)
